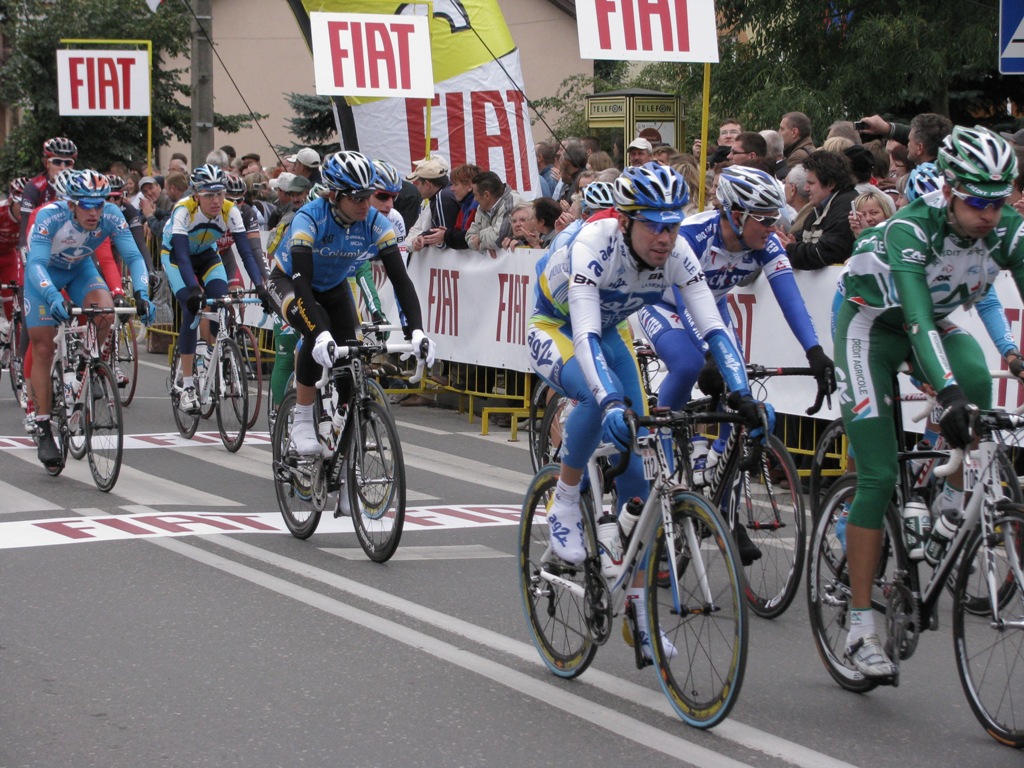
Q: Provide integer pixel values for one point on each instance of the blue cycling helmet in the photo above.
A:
(87, 188)
(923, 179)
(349, 172)
(208, 178)
(388, 177)
(653, 192)
(597, 196)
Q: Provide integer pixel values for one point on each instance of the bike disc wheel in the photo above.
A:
(126, 355)
(294, 476)
(557, 618)
(770, 507)
(187, 423)
(231, 396)
(698, 626)
(104, 428)
(989, 647)
(376, 482)
(253, 366)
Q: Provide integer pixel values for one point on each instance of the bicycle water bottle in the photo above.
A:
(629, 515)
(917, 523)
(943, 531)
(338, 419)
(609, 544)
(699, 458)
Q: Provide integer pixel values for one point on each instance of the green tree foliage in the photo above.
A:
(836, 60)
(33, 30)
(313, 126)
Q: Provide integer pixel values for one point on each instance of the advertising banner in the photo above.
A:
(102, 83)
(642, 30)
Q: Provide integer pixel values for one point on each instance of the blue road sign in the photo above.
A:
(1011, 37)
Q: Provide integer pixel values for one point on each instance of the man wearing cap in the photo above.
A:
(154, 205)
(430, 177)
(306, 163)
(639, 152)
(250, 164)
(291, 195)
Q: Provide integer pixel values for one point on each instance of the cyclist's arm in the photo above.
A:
(104, 255)
(919, 320)
(364, 279)
(37, 267)
(993, 316)
(134, 220)
(252, 266)
(405, 290)
(178, 247)
(787, 293)
(124, 241)
(303, 312)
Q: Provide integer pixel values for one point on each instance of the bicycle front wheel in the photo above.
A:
(989, 647)
(231, 395)
(696, 613)
(58, 418)
(299, 481)
(126, 360)
(104, 429)
(253, 366)
(557, 617)
(187, 423)
(376, 481)
(828, 463)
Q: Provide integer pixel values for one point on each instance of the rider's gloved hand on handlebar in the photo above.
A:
(120, 300)
(265, 301)
(145, 308)
(194, 302)
(754, 414)
(60, 310)
(427, 356)
(379, 318)
(1016, 364)
(614, 428)
(823, 369)
(955, 421)
(323, 349)
(710, 378)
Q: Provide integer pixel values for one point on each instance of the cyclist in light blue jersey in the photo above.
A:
(328, 240)
(61, 245)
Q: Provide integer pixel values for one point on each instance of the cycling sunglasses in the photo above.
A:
(69, 161)
(766, 220)
(384, 196)
(657, 227)
(980, 203)
(359, 196)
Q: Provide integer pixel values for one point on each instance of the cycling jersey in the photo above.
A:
(337, 249)
(190, 232)
(38, 192)
(10, 258)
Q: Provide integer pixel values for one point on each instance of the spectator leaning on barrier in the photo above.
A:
(462, 188)
(826, 237)
(431, 179)
(495, 202)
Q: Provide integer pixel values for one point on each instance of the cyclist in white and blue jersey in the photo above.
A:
(328, 240)
(61, 244)
(579, 339)
(597, 196)
(194, 267)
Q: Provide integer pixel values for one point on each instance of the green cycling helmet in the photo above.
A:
(980, 161)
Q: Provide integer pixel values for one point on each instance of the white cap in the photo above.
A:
(308, 157)
(639, 143)
(282, 181)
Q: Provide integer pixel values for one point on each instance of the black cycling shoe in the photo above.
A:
(748, 549)
(48, 452)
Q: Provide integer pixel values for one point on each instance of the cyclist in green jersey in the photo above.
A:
(905, 277)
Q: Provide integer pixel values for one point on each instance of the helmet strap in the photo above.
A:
(738, 231)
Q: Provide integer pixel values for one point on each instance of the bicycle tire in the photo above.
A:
(294, 485)
(126, 356)
(187, 423)
(78, 445)
(770, 506)
(377, 394)
(15, 369)
(557, 619)
(104, 426)
(703, 678)
(376, 481)
(828, 592)
(989, 648)
(538, 406)
(549, 449)
(249, 349)
(231, 396)
(58, 418)
(829, 459)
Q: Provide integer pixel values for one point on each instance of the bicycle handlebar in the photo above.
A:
(92, 311)
(341, 351)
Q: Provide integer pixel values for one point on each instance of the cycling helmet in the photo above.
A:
(60, 183)
(653, 192)
(751, 190)
(16, 189)
(87, 188)
(388, 177)
(923, 179)
(234, 185)
(208, 178)
(980, 161)
(316, 192)
(597, 196)
(349, 172)
(59, 147)
(116, 182)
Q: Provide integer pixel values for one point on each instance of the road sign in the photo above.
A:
(1011, 37)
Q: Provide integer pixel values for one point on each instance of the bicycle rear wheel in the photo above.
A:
(556, 617)
(187, 423)
(538, 405)
(828, 582)
(827, 464)
(126, 359)
(253, 366)
(15, 367)
(231, 396)
(104, 428)
(58, 418)
(299, 481)
(989, 647)
(700, 609)
(376, 481)
(549, 441)
(770, 508)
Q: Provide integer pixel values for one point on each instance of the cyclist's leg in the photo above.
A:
(867, 354)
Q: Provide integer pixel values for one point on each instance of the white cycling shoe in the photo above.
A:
(565, 524)
(304, 439)
(868, 656)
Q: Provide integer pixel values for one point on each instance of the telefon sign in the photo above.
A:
(371, 55)
(647, 30)
(103, 83)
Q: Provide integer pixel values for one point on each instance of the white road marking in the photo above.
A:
(452, 552)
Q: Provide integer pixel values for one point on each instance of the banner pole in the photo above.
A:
(705, 111)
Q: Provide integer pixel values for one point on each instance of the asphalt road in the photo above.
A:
(174, 622)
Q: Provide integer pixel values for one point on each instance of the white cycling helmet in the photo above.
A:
(751, 190)
(597, 196)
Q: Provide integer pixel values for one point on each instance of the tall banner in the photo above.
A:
(478, 113)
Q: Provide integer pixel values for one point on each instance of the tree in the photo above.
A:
(313, 125)
(840, 60)
(33, 30)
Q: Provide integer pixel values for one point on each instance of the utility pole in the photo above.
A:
(202, 81)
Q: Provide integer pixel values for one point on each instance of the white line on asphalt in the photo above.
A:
(466, 470)
(443, 552)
